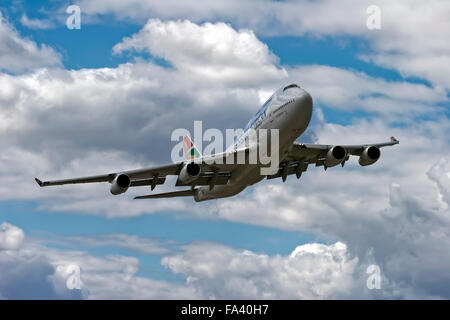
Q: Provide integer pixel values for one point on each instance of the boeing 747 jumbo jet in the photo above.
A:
(219, 175)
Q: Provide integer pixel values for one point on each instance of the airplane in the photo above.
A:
(289, 110)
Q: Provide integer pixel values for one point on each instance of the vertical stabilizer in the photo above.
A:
(190, 151)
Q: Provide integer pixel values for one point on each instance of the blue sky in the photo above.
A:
(361, 91)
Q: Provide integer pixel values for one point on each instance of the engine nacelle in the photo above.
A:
(335, 156)
(369, 156)
(120, 184)
(189, 173)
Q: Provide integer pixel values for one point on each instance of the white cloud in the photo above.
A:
(440, 173)
(36, 23)
(351, 90)
(220, 272)
(214, 51)
(18, 54)
(172, 9)
(11, 237)
(411, 39)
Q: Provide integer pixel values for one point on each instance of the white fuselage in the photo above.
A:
(289, 110)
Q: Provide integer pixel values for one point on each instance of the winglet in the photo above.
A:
(39, 182)
(393, 139)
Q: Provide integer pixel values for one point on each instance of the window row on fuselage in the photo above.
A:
(256, 122)
(282, 106)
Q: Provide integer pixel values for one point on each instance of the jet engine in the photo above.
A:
(120, 184)
(189, 173)
(369, 156)
(334, 156)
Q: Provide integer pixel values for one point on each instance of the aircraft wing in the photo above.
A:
(303, 154)
(214, 169)
(136, 176)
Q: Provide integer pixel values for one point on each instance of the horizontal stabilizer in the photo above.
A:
(184, 193)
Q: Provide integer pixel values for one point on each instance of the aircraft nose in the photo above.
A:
(304, 103)
(303, 109)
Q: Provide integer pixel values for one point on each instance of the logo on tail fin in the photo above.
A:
(190, 151)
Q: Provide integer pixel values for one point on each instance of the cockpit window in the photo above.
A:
(291, 86)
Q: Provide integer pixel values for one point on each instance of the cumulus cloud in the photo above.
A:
(26, 275)
(11, 237)
(412, 40)
(397, 99)
(18, 54)
(25, 271)
(440, 173)
(215, 51)
(312, 271)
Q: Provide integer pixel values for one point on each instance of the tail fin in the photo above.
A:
(190, 151)
(393, 139)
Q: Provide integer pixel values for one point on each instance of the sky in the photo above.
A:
(106, 97)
